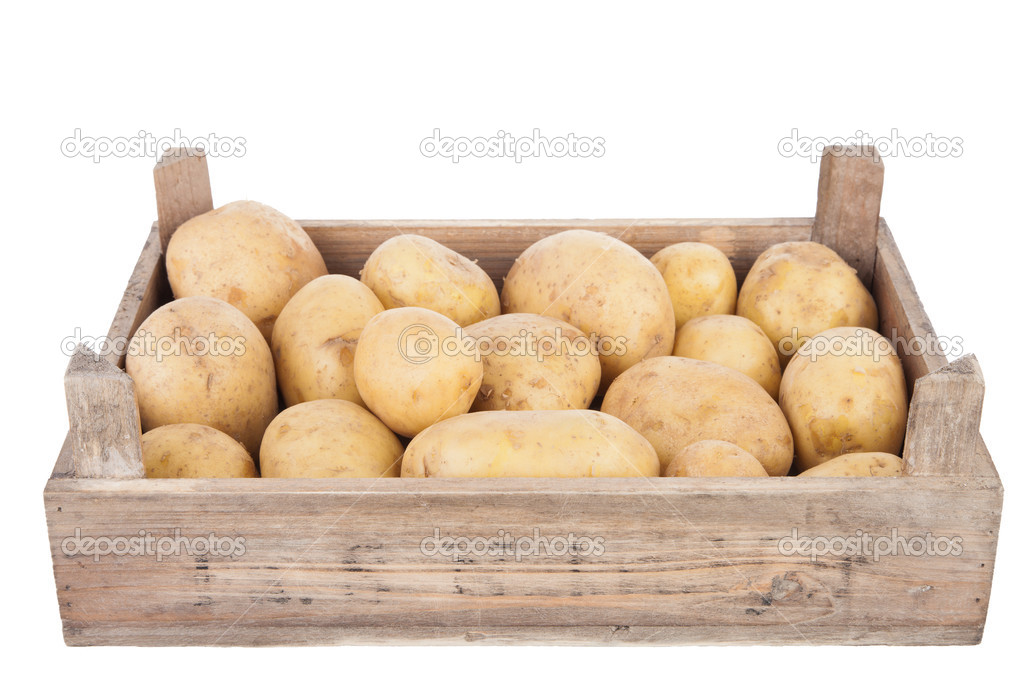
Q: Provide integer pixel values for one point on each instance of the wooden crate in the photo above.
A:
(683, 560)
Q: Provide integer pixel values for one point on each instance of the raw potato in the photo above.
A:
(314, 340)
(844, 391)
(562, 443)
(199, 359)
(329, 438)
(700, 279)
(796, 290)
(713, 458)
(415, 367)
(864, 464)
(675, 402)
(603, 287)
(414, 271)
(534, 363)
(247, 254)
(190, 450)
(735, 342)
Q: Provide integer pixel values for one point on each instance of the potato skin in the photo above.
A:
(534, 363)
(561, 443)
(603, 287)
(735, 342)
(247, 254)
(410, 389)
(415, 271)
(714, 458)
(700, 279)
(853, 399)
(329, 438)
(229, 386)
(315, 337)
(675, 402)
(807, 287)
(862, 464)
(190, 450)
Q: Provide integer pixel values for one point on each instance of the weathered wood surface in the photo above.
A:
(182, 181)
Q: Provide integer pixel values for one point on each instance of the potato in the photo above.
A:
(796, 290)
(198, 359)
(863, 464)
(700, 279)
(247, 254)
(329, 438)
(415, 367)
(675, 402)
(560, 443)
(735, 342)
(534, 363)
(603, 287)
(315, 337)
(844, 391)
(713, 458)
(190, 450)
(414, 271)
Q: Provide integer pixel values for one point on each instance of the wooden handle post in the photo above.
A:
(182, 182)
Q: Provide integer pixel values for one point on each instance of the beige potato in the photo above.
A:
(247, 254)
(315, 337)
(329, 438)
(558, 443)
(700, 279)
(796, 290)
(190, 450)
(714, 458)
(603, 287)
(735, 342)
(862, 464)
(675, 402)
(415, 271)
(534, 363)
(844, 391)
(415, 367)
(198, 359)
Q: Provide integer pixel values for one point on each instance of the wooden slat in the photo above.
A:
(182, 181)
(147, 289)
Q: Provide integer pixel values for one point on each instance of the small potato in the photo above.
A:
(864, 464)
(559, 443)
(415, 271)
(735, 342)
(190, 450)
(713, 458)
(247, 254)
(844, 391)
(329, 438)
(314, 340)
(796, 290)
(415, 367)
(534, 363)
(700, 279)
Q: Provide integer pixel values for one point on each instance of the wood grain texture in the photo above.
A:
(147, 289)
(182, 181)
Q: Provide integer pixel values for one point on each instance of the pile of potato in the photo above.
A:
(592, 362)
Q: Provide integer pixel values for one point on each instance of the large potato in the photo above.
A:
(714, 458)
(561, 443)
(862, 464)
(735, 342)
(415, 367)
(200, 360)
(315, 337)
(414, 271)
(247, 254)
(329, 438)
(675, 402)
(603, 287)
(796, 290)
(190, 450)
(700, 279)
(534, 363)
(844, 391)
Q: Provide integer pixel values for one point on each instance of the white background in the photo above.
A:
(333, 103)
